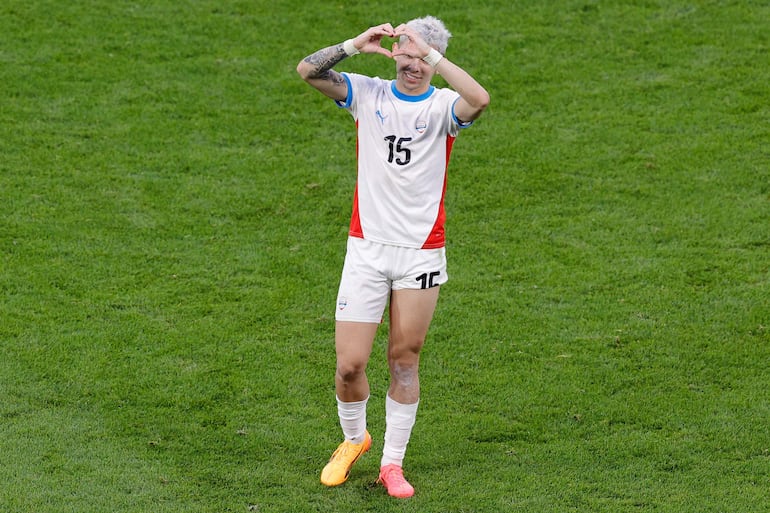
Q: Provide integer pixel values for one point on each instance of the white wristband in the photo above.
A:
(349, 48)
(433, 57)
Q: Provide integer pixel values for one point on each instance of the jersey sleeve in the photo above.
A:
(448, 100)
(358, 87)
(349, 100)
(459, 123)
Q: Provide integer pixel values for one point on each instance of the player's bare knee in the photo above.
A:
(405, 353)
(350, 372)
(404, 374)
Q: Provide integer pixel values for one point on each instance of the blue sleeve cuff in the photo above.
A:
(457, 121)
(349, 99)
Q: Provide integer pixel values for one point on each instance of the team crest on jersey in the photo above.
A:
(421, 126)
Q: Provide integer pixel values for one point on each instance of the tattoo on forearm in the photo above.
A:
(324, 60)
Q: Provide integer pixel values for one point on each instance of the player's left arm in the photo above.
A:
(473, 97)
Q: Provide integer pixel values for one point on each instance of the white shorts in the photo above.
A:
(372, 270)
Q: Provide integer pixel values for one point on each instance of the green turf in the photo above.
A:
(173, 211)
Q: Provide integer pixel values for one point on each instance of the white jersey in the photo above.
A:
(403, 147)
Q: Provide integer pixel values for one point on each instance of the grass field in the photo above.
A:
(174, 203)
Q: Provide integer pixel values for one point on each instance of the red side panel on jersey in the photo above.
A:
(355, 219)
(437, 237)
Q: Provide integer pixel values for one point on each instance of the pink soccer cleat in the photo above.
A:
(392, 477)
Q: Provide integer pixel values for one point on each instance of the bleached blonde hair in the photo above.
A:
(432, 31)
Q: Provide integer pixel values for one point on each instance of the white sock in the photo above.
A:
(399, 419)
(353, 419)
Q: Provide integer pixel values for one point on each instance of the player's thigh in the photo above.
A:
(353, 343)
(411, 312)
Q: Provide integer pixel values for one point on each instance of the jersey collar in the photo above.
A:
(408, 97)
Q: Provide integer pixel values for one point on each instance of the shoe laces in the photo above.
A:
(347, 448)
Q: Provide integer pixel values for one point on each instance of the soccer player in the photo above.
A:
(395, 250)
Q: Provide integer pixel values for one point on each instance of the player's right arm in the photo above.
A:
(316, 69)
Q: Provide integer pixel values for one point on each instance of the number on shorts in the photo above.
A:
(426, 280)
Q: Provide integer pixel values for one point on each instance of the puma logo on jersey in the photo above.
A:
(379, 115)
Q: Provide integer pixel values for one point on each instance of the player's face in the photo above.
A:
(413, 75)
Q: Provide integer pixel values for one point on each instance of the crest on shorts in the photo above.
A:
(342, 302)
